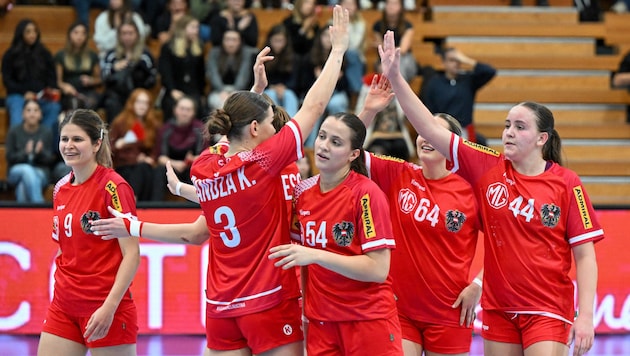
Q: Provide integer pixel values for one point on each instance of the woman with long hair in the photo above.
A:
(281, 70)
(181, 66)
(28, 73)
(133, 135)
(107, 23)
(92, 308)
(127, 67)
(78, 70)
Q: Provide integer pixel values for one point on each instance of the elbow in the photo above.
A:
(380, 274)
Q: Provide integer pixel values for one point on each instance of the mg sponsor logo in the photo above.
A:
(497, 195)
(407, 200)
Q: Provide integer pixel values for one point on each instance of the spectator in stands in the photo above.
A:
(127, 67)
(354, 60)
(133, 134)
(621, 79)
(181, 66)
(621, 6)
(29, 155)
(28, 73)
(180, 141)
(339, 100)
(302, 25)
(82, 7)
(238, 18)
(108, 21)
(164, 25)
(229, 68)
(281, 73)
(453, 92)
(78, 71)
(393, 19)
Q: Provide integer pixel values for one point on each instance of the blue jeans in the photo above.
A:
(29, 181)
(82, 7)
(289, 102)
(354, 71)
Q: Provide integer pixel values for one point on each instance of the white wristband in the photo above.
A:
(178, 189)
(135, 227)
(478, 282)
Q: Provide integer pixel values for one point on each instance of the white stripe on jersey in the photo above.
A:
(368, 164)
(542, 313)
(298, 139)
(585, 236)
(216, 302)
(455, 161)
(380, 242)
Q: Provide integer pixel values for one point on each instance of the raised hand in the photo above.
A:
(339, 36)
(390, 56)
(260, 75)
(380, 94)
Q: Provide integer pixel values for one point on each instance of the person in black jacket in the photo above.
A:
(453, 92)
(28, 73)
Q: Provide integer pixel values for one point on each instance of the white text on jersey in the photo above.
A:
(211, 189)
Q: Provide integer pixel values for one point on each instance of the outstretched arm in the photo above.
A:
(176, 187)
(417, 113)
(318, 96)
(194, 233)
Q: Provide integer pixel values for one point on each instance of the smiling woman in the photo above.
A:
(103, 316)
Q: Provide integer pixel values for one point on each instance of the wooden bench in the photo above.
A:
(587, 114)
(489, 94)
(565, 3)
(506, 15)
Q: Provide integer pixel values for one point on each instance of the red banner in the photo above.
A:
(168, 288)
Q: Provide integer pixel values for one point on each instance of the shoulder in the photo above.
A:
(305, 185)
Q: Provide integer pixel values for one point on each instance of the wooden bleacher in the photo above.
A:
(542, 54)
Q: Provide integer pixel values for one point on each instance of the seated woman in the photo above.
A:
(28, 73)
(229, 68)
(107, 23)
(181, 66)
(132, 138)
(29, 155)
(281, 71)
(127, 67)
(78, 71)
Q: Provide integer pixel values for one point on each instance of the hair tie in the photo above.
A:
(101, 133)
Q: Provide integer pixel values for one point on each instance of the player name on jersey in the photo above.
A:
(222, 186)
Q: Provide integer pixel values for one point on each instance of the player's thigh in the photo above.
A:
(51, 345)
(496, 348)
(551, 348)
(411, 348)
(429, 353)
(118, 350)
(292, 349)
(239, 352)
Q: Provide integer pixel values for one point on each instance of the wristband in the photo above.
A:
(478, 282)
(134, 227)
(178, 189)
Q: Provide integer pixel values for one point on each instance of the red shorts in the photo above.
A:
(365, 337)
(261, 332)
(123, 331)
(441, 339)
(523, 329)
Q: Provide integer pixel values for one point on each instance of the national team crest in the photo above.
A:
(343, 233)
(549, 215)
(454, 220)
(86, 219)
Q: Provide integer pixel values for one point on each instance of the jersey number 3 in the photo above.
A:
(225, 215)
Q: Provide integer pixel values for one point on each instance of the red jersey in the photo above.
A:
(350, 220)
(436, 225)
(87, 265)
(245, 210)
(530, 225)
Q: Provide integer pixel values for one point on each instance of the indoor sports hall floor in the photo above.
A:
(183, 345)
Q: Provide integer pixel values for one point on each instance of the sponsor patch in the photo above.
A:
(497, 195)
(366, 217)
(111, 188)
(407, 200)
(481, 148)
(578, 192)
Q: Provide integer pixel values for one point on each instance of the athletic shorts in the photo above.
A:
(441, 339)
(524, 329)
(261, 332)
(354, 338)
(123, 331)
